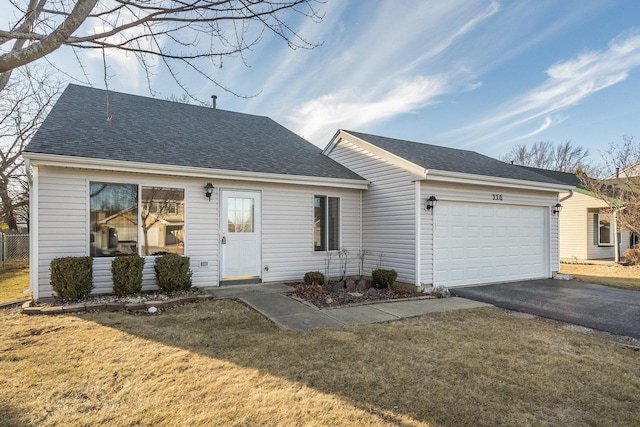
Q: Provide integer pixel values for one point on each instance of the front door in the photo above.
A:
(240, 236)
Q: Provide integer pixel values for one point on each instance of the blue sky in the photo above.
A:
(474, 74)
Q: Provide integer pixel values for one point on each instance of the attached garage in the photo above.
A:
(485, 243)
(443, 216)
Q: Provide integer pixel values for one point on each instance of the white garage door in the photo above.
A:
(484, 243)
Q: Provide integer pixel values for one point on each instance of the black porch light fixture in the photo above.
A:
(556, 209)
(208, 190)
(430, 203)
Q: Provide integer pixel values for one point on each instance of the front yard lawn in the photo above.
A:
(220, 363)
(616, 276)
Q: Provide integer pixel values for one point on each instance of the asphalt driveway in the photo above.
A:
(593, 306)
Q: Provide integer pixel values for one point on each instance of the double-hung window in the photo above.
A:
(326, 223)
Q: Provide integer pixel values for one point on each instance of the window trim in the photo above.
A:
(326, 224)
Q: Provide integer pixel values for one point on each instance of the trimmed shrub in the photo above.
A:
(383, 279)
(313, 278)
(126, 273)
(173, 273)
(72, 277)
(632, 256)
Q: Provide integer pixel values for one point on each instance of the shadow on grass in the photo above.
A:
(13, 282)
(469, 367)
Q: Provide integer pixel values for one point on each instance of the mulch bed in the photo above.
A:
(336, 294)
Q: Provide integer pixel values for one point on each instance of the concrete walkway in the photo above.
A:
(272, 302)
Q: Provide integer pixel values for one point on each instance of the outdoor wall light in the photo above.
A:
(430, 203)
(556, 209)
(208, 190)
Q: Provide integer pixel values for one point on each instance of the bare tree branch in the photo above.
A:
(563, 157)
(174, 30)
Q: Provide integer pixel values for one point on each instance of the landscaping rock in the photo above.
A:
(437, 291)
(75, 308)
(350, 285)
(363, 285)
(338, 286)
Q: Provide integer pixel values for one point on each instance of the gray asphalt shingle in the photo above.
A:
(161, 132)
(435, 157)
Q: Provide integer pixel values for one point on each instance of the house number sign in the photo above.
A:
(497, 197)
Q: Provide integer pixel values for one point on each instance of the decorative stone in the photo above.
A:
(149, 304)
(115, 306)
(152, 310)
(350, 284)
(338, 286)
(133, 306)
(363, 285)
(75, 308)
(51, 310)
(373, 292)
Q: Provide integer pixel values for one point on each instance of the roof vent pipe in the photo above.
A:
(213, 101)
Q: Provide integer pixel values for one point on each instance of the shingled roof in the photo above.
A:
(566, 177)
(161, 132)
(434, 157)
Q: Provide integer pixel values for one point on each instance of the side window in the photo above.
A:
(604, 231)
(113, 219)
(326, 223)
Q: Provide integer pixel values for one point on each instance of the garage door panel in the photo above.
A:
(484, 243)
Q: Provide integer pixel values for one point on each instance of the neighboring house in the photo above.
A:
(249, 201)
(99, 186)
(492, 221)
(586, 224)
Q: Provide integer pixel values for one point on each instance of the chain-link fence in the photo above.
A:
(14, 250)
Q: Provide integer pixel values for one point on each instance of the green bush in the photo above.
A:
(173, 273)
(314, 278)
(72, 277)
(126, 272)
(383, 279)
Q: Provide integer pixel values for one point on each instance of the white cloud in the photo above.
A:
(318, 119)
(569, 83)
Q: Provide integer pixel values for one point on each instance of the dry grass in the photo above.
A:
(13, 281)
(611, 275)
(220, 363)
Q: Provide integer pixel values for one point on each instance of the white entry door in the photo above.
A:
(240, 235)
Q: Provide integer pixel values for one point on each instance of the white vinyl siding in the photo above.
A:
(388, 216)
(578, 238)
(287, 225)
(287, 232)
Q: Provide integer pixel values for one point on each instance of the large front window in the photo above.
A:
(114, 219)
(122, 225)
(326, 223)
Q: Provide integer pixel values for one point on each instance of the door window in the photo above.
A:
(240, 215)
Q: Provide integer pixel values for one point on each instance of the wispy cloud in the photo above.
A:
(568, 84)
(380, 75)
(317, 119)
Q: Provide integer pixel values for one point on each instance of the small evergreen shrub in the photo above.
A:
(632, 256)
(72, 277)
(383, 279)
(173, 273)
(313, 278)
(126, 272)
